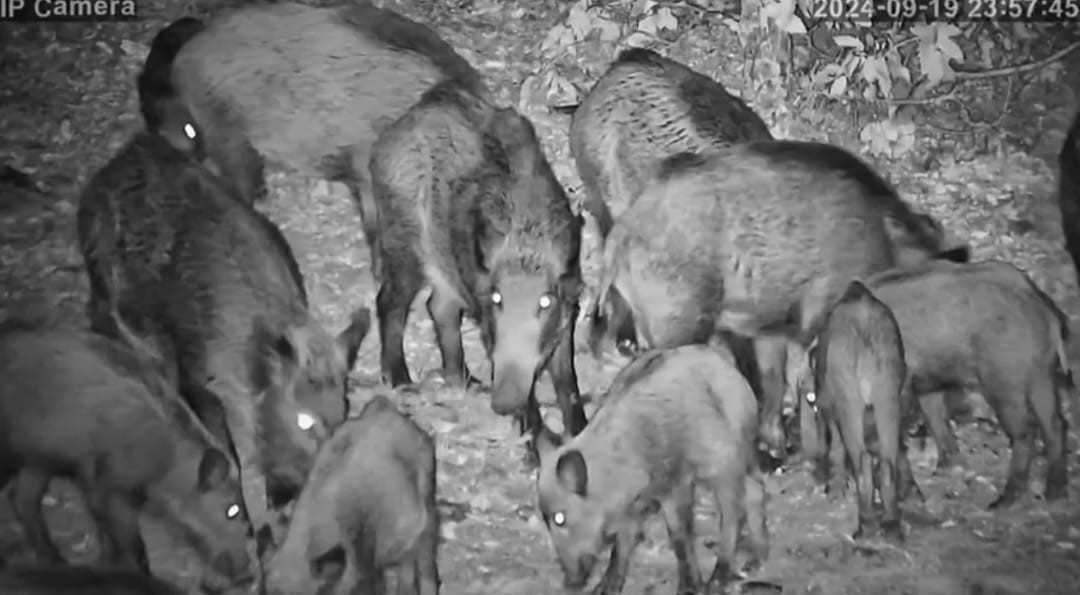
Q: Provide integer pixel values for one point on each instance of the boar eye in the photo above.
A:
(545, 301)
(558, 519)
(496, 298)
(811, 397)
(189, 131)
(305, 421)
(232, 511)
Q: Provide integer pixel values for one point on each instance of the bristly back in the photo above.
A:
(838, 162)
(153, 188)
(825, 157)
(639, 56)
(458, 95)
(715, 113)
(400, 32)
(209, 199)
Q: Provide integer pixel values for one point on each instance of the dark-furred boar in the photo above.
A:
(469, 205)
(171, 252)
(99, 411)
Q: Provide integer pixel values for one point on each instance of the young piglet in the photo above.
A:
(859, 374)
(672, 420)
(366, 513)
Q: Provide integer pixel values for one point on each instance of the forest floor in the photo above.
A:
(67, 102)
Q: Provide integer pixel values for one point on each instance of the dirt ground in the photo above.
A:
(67, 101)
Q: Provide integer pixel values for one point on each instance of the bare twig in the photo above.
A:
(924, 100)
(1018, 69)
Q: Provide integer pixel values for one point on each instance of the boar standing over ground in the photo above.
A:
(309, 89)
(673, 420)
(174, 255)
(469, 205)
(366, 513)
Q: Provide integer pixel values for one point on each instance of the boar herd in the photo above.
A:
(205, 393)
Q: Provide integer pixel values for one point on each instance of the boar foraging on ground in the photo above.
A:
(644, 108)
(469, 205)
(985, 326)
(366, 513)
(174, 255)
(103, 415)
(310, 89)
(672, 420)
(859, 374)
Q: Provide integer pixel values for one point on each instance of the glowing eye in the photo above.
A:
(811, 397)
(496, 298)
(545, 302)
(233, 511)
(189, 131)
(558, 519)
(305, 421)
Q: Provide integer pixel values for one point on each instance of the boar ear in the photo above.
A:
(546, 441)
(329, 566)
(213, 469)
(350, 339)
(572, 472)
(273, 350)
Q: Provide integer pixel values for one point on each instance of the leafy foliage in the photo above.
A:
(878, 64)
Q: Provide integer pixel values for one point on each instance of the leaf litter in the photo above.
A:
(71, 102)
